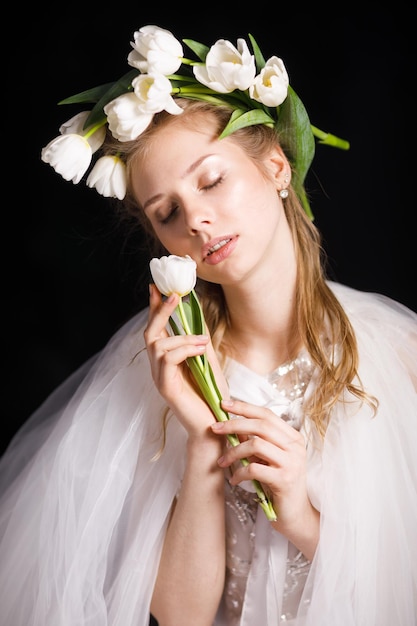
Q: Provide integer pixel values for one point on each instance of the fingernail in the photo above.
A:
(227, 402)
(217, 426)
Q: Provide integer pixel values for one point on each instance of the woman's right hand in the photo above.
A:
(167, 355)
(197, 554)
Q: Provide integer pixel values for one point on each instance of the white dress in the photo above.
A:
(84, 506)
(282, 391)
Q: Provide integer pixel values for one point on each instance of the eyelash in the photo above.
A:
(171, 214)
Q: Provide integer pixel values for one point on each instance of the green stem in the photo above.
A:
(95, 128)
(202, 374)
(329, 139)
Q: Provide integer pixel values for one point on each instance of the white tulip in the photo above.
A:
(155, 50)
(125, 119)
(174, 274)
(108, 176)
(153, 92)
(69, 154)
(270, 87)
(227, 68)
(76, 125)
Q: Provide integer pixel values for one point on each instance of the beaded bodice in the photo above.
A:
(288, 384)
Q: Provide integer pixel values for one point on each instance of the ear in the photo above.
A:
(278, 166)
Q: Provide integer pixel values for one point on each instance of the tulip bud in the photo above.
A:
(174, 274)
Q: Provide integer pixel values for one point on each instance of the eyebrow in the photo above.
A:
(188, 171)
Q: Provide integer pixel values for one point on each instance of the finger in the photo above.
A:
(265, 474)
(253, 449)
(268, 420)
(265, 425)
(173, 350)
(245, 426)
(160, 311)
(158, 303)
(239, 407)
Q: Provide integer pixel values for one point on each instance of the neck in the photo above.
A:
(262, 332)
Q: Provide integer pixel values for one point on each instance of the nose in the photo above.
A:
(197, 215)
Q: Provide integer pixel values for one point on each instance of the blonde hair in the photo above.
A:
(321, 321)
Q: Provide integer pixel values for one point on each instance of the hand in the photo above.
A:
(277, 455)
(167, 355)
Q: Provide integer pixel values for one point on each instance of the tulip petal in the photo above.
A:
(174, 274)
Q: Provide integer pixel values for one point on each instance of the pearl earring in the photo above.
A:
(283, 193)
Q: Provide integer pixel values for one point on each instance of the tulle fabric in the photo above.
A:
(85, 498)
(365, 482)
(82, 524)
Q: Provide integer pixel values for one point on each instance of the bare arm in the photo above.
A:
(191, 573)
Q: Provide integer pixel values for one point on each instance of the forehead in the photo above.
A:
(177, 139)
(176, 151)
(178, 133)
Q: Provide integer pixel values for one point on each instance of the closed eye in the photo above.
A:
(170, 215)
(175, 208)
(214, 184)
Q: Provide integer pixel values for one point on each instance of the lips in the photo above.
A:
(217, 250)
(217, 246)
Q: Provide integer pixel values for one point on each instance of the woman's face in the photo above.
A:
(205, 198)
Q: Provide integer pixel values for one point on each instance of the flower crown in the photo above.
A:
(257, 91)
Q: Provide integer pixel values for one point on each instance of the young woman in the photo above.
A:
(122, 496)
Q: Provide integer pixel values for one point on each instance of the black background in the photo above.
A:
(71, 277)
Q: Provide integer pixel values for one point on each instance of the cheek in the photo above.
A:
(258, 196)
(171, 240)
(163, 237)
(254, 183)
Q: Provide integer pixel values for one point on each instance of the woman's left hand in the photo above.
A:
(278, 460)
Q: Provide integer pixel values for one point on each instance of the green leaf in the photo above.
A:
(235, 100)
(259, 57)
(90, 95)
(297, 138)
(207, 390)
(197, 314)
(123, 85)
(213, 379)
(102, 95)
(241, 119)
(199, 49)
(177, 80)
(174, 326)
(295, 131)
(203, 97)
